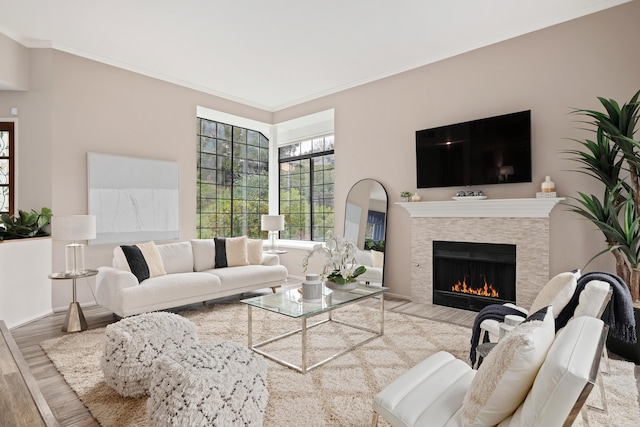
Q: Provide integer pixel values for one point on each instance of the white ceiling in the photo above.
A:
(278, 53)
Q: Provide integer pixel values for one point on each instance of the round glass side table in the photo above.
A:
(74, 321)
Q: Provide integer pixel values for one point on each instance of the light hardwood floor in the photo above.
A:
(70, 411)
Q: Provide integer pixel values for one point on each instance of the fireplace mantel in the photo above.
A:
(487, 208)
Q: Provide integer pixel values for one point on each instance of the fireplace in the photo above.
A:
(471, 275)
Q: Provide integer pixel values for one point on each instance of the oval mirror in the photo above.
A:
(365, 223)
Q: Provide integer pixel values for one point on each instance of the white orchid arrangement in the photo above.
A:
(340, 265)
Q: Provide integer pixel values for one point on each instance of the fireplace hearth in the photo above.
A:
(472, 275)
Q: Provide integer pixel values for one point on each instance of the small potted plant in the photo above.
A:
(405, 196)
(340, 268)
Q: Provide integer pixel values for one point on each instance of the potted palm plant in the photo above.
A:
(613, 158)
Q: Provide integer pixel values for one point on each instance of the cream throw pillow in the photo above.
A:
(236, 248)
(557, 292)
(507, 373)
(152, 257)
(254, 251)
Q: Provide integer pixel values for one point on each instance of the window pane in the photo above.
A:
(4, 144)
(207, 128)
(329, 143)
(4, 171)
(224, 132)
(207, 145)
(253, 138)
(4, 199)
(305, 147)
(239, 135)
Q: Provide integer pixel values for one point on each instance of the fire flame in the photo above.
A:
(486, 291)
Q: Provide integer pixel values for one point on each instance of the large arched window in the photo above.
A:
(233, 179)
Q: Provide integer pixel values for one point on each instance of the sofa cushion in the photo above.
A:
(505, 377)
(143, 260)
(204, 254)
(177, 257)
(171, 290)
(254, 251)
(249, 275)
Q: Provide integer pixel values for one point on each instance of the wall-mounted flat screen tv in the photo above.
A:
(495, 150)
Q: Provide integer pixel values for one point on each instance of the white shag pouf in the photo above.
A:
(134, 343)
(215, 383)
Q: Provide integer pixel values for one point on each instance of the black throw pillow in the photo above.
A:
(221, 252)
(136, 262)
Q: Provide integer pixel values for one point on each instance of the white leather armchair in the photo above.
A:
(433, 392)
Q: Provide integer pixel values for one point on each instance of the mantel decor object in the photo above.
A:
(547, 185)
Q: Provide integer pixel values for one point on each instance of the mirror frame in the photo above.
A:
(358, 228)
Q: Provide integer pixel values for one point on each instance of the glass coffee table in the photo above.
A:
(290, 303)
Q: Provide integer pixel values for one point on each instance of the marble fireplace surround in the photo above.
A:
(520, 222)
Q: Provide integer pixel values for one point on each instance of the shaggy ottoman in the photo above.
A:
(216, 383)
(134, 343)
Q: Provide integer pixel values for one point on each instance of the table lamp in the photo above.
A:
(272, 224)
(73, 228)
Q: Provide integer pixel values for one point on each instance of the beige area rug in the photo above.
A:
(336, 394)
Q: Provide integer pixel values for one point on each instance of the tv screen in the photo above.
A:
(494, 150)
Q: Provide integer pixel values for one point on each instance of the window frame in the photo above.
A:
(9, 127)
(310, 157)
(234, 142)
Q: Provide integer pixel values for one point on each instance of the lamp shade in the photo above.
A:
(272, 222)
(73, 227)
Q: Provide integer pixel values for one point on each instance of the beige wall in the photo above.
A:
(14, 66)
(549, 72)
(75, 105)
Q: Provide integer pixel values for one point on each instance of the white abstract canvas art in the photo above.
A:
(134, 200)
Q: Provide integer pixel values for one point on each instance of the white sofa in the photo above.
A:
(374, 262)
(191, 277)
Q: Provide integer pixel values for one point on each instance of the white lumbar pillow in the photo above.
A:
(557, 292)
(508, 372)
